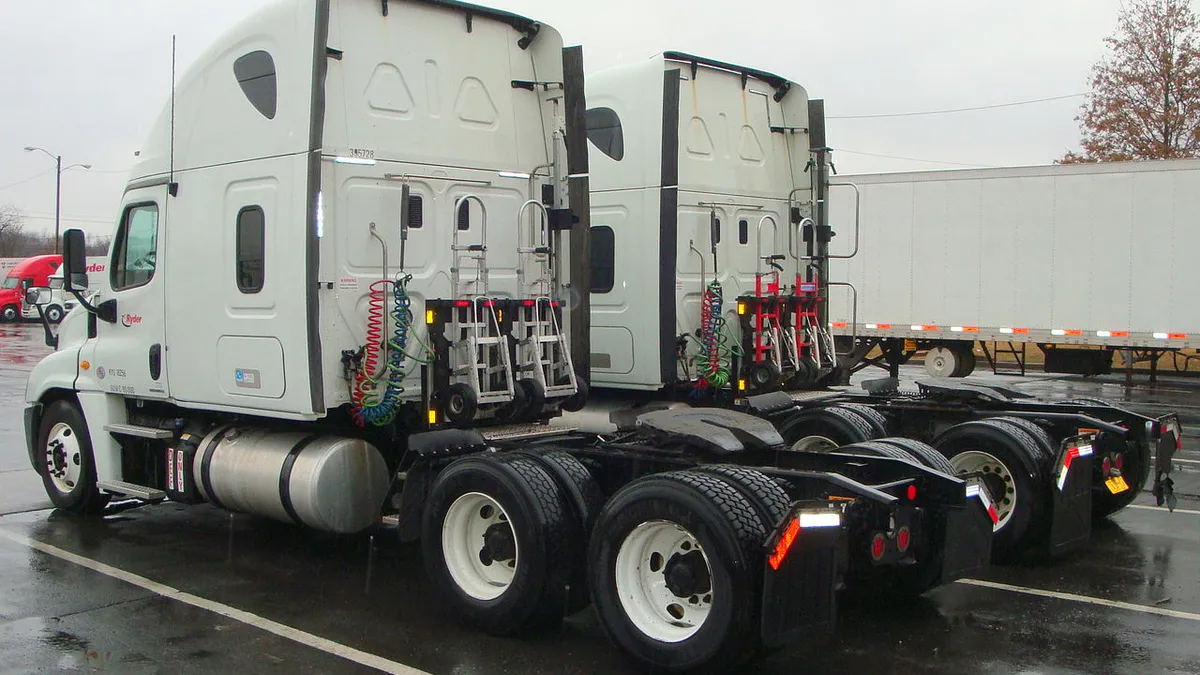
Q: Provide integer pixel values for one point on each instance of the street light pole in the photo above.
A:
(57, 199)
(58, 172)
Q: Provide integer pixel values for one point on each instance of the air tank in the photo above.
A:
(326, 482)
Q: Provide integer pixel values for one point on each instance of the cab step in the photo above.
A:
(123, 489)
(152, 433)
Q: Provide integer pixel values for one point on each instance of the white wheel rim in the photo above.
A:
(814, 444)
(642, 585)
(941, 362)
(465, 549)
(988, 464)
(64, 459)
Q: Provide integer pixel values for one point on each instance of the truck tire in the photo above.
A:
(461, 404)
(54, 314)
(676, 572)
(879, 423)
(499, 544)
(770, 500)
(922, 453)
(9, 314)
(585, 499)
(1011, 463)
(534, 395)
(66, 462)
(966, 359)
(825, 429)
(941, 361)
(1044, 441)
(516, 409)
(876, 449)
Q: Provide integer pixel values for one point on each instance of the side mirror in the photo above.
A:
(38, 295)
(74, 267)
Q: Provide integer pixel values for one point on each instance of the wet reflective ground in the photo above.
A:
(369, 593)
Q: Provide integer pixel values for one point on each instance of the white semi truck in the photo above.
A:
(348, 286)
(1079, 261)
(713, 272)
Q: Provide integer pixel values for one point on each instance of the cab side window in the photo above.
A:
(135, 249)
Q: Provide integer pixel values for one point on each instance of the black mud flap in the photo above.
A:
(1169, 432)
(800, 577)
(33, 420)
(1071, 500)
(968, 543)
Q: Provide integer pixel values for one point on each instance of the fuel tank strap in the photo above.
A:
(285, 476)
(206, 462)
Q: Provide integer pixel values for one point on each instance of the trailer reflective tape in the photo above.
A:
(1103, 333)
(1177, 336)
(1021, 331)
(870, 326)
(1074, 333)
(1072, 453)
(840, 324)
(1120, 333)
(784, 544)
(885, 326)
(964, 329)
(924, 327)
(956, 329)
(1006, 331)
(1160, 336)
(1058, 332)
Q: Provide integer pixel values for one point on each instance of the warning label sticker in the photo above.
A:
(348, 284)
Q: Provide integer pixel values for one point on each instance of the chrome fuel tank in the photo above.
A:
(325, 482)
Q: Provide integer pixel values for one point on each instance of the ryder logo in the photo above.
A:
(130, 320)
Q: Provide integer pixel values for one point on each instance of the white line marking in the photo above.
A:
(1145, 609)
(1163, 508)
(296, 635)
(1187, 461)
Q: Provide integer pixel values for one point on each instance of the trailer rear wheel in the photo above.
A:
(764, 376)
(825, 429)
(966, 359)
(575, 402)
(499, 544)
(1009, 460)
(67, 465)
(676, 571)
(517, 408)
(942, 361)
(923, 453)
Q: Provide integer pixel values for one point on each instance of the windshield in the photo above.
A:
(11, 282)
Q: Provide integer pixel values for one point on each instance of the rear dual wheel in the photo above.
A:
(676, 568)
(827, 429)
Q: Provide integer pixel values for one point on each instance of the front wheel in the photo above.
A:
(66, 462)
(9, 314)
(54, 314)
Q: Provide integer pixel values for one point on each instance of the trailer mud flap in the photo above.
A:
(1169, 442)
(800, 577)
(968, 542)
(1071, 497)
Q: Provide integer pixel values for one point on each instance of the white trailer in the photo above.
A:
(1055, 256)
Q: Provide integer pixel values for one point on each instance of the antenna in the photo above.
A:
(172, 186)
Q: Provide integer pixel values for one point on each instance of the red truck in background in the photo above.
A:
(30, 272)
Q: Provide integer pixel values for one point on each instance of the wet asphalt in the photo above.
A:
(369, 593)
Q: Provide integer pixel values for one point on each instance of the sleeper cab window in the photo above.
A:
(603, 259)
(251, 249)
(604, 131)
(255, 72)
(135, 250)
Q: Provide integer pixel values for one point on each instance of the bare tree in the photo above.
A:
(12, 232)
(98, 245)
(1145, 98)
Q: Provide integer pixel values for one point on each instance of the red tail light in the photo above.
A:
(912, 493)
(784, 544)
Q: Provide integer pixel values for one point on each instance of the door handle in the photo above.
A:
(155, 361)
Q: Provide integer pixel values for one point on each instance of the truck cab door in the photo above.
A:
(127, 355)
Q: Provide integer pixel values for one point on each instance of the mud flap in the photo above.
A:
(968, 542)
(1071, 497)
(800, 577)
(1164, 453)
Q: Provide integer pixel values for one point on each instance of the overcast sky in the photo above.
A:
(86, 78)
